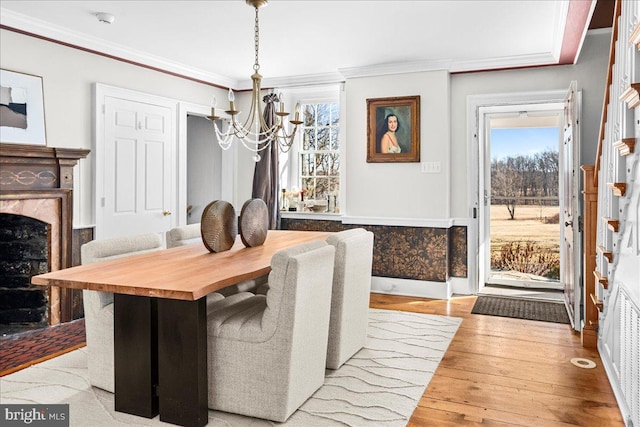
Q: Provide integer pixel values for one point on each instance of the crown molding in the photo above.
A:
(294, 81)
(453, 66)
(61, 35)
(506, 62)
(395, 68)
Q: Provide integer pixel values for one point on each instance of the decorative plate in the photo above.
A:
(254, 222)
(218, 226)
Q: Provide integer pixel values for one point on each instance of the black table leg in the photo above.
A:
(182, 361)
(136, 355)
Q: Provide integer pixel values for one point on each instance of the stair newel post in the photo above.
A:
(589, 332)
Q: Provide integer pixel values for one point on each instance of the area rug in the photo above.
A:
(379, 386)
(544, 311)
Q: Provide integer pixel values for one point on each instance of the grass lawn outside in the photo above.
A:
(528, 225)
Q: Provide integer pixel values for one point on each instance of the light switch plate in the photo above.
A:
(430, 167)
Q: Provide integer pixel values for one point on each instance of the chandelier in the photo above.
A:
(257, 133)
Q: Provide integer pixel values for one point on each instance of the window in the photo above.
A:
(319, 153)
(313, 163)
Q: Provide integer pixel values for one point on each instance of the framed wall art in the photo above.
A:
(393, 129)
(21, 109)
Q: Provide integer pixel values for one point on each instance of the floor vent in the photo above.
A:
(630, 355)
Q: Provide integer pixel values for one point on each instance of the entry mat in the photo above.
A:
(544, 311)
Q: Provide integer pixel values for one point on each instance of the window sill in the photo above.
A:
(327, 216)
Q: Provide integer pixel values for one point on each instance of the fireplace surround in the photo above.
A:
(37, 183)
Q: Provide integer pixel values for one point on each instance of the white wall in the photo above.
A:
(398, 190)
(68, 77)
(203, 167)
(590, 72)
(245, 167)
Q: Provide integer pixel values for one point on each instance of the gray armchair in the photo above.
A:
(267, 353)
(350, 295)
(184, 235)
(98, 306)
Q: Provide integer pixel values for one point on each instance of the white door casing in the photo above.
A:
(551, 112)
(484, 215)
(229, 158)
(478, 107)
(545, 115)
(136, 143)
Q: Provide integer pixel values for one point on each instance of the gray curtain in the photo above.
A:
(265, 176)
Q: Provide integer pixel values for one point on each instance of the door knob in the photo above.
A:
(165, 213)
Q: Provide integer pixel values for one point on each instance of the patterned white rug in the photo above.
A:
(379, 386)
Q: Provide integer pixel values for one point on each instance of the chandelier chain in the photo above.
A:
(256, 133)
(256, 41)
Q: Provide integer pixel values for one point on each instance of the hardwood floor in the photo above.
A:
(509, 372)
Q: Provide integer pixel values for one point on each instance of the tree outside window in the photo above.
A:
(319, 166)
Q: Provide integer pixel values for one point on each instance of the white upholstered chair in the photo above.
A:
(98, 306)
(267, 353)
(250, 285)
(184, 235)
(188, 234)
(350, 295)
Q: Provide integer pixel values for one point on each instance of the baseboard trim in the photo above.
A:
(461, 286)
(411, 287)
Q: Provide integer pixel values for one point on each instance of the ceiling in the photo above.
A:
(307, 41)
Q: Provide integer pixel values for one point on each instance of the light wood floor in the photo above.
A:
(509, 372)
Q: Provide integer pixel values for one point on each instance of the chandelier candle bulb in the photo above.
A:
(282, 113)
(232, 104)
(297, 117)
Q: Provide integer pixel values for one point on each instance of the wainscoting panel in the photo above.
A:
(405, 252)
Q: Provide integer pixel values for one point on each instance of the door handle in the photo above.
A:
(165, 213)
(568, 223)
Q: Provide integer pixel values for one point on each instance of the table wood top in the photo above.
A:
(186, 272)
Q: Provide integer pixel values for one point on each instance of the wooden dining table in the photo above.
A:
(160, 318)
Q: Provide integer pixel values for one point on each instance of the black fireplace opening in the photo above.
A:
(24, 252)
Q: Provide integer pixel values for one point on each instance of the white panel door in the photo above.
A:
(137, 168)
(570, 249)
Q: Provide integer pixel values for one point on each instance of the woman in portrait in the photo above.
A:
(388, 141)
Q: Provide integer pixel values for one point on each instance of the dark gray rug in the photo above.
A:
(544, 311)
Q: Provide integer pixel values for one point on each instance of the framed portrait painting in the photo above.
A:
(393, 129)
(21, 109)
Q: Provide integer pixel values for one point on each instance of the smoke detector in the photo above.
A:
(105, 18)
